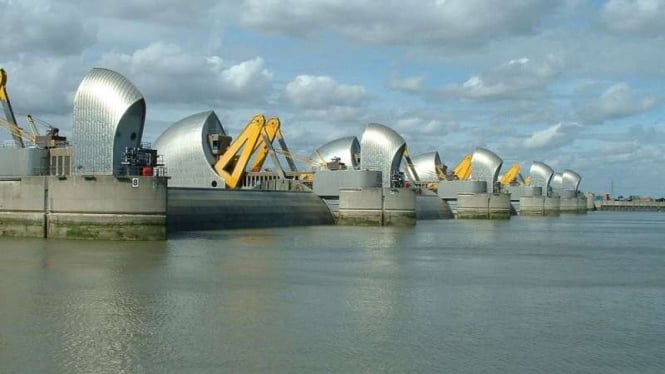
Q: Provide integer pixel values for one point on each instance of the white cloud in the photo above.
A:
(645, 17)
(617, 101)
(167, 73)
(321, 92)
(172, 12)
(414, 84)
(423, 126)
(39, 28)
(517, 78)
(386, 22)
(43, 86)
(552, 137)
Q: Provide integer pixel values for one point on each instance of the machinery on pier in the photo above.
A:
(51, 139)
(513, 177)
(255, 142)
(33, 153)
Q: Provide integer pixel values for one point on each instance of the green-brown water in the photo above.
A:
(573, 294)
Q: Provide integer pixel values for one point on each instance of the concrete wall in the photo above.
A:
(22, 207)
(590, 201)
(566, 194)
(25, 161)
(399, 207)
(483, 206)
(569, 205)
(100, 207)
(377, 207)
(581, 204)
(632, 206)
(552, 206)
(107, 194)
(499, 206)
(328, 182)
(532, 205)
(449, 190)
(22, 224)
(516, 192)
(214, 209)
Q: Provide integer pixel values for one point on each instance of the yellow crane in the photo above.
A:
(253, 143)
(511, 175)
(514, 177)
(272, 131)
(10, 121)
(231, 163)
(463, 170)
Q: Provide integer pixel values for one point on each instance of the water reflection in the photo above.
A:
(564, 295)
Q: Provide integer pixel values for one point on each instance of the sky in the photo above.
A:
(572, 83)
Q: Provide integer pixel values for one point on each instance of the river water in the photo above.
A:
(569, 294)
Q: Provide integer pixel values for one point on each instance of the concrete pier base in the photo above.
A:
(22, 224)
(569, 205)
(377, 207)
(84, 207)
(532, 206)
(590, 201)
(582, 204)
(106, 226)
(483, 206)
(552, 206)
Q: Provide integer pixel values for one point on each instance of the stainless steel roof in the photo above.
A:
(347, 149)
(109, 114)
(541, 175)
(186, 152)
(426, 166)
(485, 166)
(571, 180)
(557, 181)
(381, 148)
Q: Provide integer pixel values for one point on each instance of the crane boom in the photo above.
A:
(14, 129)
(33, 127)
(231, 164)
(270, 130)
(463, 169)
(511, 175)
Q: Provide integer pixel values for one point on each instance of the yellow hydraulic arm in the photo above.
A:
(510, 176)
(232, 163)
(463, 169)
(9, 120)
(270, 130)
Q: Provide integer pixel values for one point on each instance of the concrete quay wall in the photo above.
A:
(573, 205)
(631, 206)
(377, 207)
(483, 206)
(84, 207)
(532, 206)
(552, 206)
